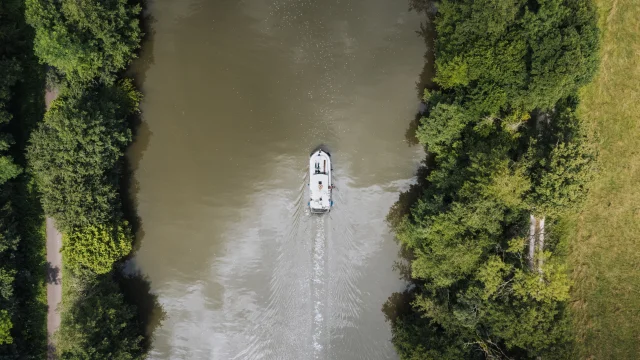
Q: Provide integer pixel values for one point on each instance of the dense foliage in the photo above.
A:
(22, 311)
(498, 55)
(561, 161)
(97, 323)
(76, 156)
(8, 246)
(97, 247)
(9, 72)
(504, 143)
(85, 39)
(10, 69)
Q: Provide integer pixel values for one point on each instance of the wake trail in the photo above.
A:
(319, 288)
(276, 330)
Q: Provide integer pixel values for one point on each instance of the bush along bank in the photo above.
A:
(77, 158)
(506, 150)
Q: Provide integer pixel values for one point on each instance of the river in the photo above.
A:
(237, 95)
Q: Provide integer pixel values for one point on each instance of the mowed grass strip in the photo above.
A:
(605, 237)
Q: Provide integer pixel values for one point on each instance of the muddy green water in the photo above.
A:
(237, 94)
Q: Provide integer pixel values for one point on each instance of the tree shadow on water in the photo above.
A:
(402, 208)
(137, 291)
(428, 33)
(410, 136)
(407, 198)
(399, 303)
(145, 54)
(130, 186)
(142, 134)
(135, 285)
(425, 80)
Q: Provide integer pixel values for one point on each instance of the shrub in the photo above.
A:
(97, 247)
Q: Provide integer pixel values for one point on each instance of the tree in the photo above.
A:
(9, 241)
(417, 338)
(85, 39)
(561, 163)
(499, 56)
(10, 70)
(97, 323)
(442, 129)
(21, 276)
(5, 328)
(97, 247)
(503, 142)
(75, 154)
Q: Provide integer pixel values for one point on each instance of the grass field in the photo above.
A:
(605, 237)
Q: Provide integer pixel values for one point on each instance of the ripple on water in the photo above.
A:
(319, 285)
(282, 330)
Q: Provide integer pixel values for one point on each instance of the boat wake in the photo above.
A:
(314, 274)
(319, 287)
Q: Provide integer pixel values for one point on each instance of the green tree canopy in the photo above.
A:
(74, 154)
(97, 323)
(22, 334)
(97, 247)
(10, 70)
(503, 143)
(85, 39)
(500, 56)
(5, 328)
(467, 229)
(561, 161)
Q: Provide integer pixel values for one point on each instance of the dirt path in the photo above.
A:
(54, 266)
(54, 282)
(536, 242)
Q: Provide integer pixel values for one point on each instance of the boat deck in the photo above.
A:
(320, 181)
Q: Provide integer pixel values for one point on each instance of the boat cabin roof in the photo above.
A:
(320, 182)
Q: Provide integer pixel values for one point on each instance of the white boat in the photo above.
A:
(320, 185)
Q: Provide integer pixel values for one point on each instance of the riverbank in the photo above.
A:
(76, 155)
(507, 154)
(604, 237)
